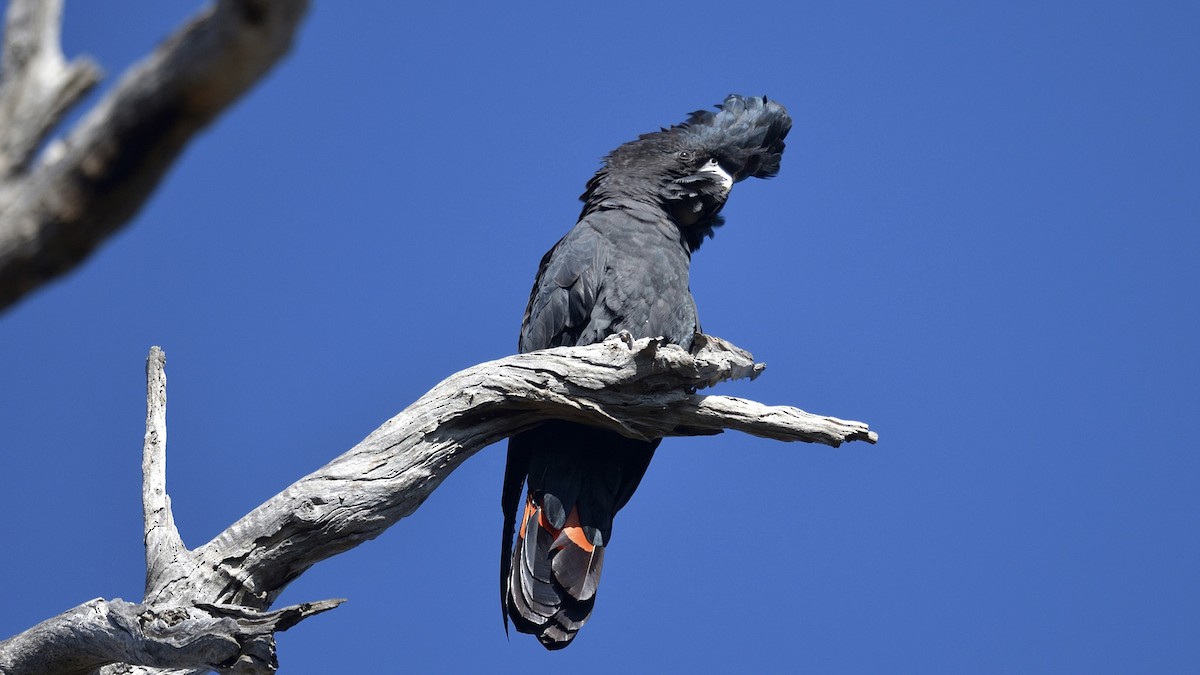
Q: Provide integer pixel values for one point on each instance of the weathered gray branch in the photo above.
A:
(37, 85)
(164, 546)
(55, 210)
(642, 389)
(209, 636)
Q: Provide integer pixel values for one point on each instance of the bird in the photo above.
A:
(624, 266)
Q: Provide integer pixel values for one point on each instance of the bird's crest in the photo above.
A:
(745, 134)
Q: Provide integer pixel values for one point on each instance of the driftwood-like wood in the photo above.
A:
(642, 389)
(164, 546)
(215, 637)
(37, 85)
(639, 388)
(56, 208)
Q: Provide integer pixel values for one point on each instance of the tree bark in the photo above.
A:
(99, 632)
(639, 388)
(57, 208)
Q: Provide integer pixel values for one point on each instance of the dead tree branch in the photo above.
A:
(164, 546)
(223, 638)
(642, 389)
(56, 208)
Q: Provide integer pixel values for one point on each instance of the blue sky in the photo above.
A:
(984, 241)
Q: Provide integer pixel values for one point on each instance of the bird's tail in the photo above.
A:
(552, 578)
(578, 479)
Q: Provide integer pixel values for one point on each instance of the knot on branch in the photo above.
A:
(720, 360)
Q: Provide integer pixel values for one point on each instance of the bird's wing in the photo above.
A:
(564, 294)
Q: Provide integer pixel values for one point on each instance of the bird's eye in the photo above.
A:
(685, 154)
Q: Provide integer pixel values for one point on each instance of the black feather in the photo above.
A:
(577, 570)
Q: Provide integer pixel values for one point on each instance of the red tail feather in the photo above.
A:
(553, 577)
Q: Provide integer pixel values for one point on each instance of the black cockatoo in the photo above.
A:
(624, 266)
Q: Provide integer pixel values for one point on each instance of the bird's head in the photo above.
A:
(689, 169)
(745, 135)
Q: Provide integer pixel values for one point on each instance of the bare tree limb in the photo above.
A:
(164, 546)
(780, 423)
(55, 211)
(37, 85)
(642, 389)
(100, 632)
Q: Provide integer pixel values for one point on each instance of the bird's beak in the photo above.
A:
(723, 177)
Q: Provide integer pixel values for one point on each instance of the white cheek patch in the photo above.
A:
(722, 175)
